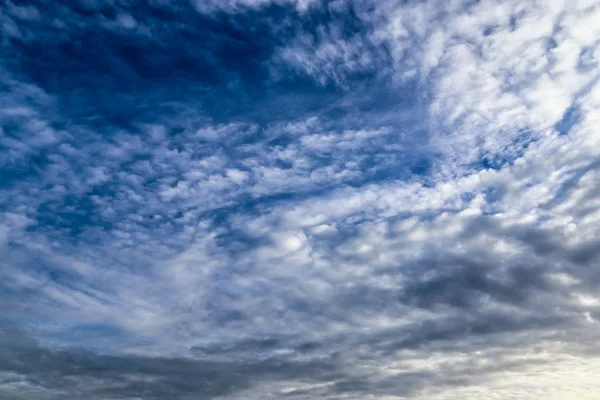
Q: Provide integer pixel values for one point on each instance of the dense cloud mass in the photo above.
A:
(273, 199)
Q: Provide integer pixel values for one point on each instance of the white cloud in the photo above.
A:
(209, 6)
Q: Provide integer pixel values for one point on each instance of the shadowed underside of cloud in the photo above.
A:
(265, 199)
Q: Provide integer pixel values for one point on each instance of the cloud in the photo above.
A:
(41, 373)
(233, 6)
(282, 199)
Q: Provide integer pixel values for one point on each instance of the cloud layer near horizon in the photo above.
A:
(265, 199)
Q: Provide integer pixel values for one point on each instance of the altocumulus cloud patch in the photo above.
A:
(265, 199)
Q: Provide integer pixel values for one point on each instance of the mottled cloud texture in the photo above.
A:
(273, 199)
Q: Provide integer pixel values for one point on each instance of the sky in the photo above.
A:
(299, 199)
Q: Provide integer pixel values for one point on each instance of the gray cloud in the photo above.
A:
(70, 374)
